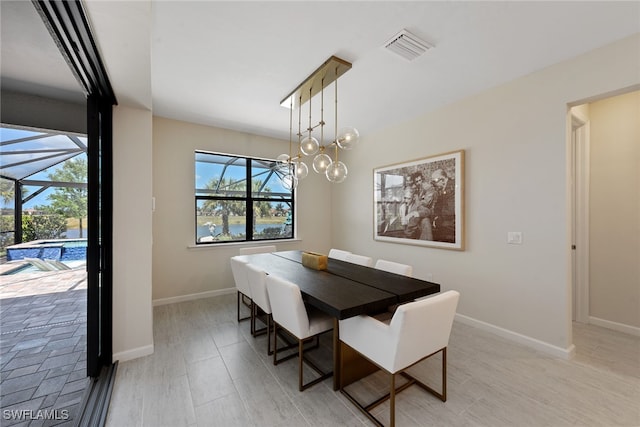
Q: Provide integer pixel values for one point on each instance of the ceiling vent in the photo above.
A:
(407, 45)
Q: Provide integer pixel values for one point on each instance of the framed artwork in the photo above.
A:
(421, 202)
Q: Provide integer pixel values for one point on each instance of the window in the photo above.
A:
(229, 210)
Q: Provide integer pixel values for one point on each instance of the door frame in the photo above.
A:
(68, 25)
(99, 236)
(580, 152)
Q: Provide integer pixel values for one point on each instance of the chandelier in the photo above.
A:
(325, 155)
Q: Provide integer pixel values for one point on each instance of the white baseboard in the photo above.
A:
(135, 353)
(563, 353)
(191, 297)
(620, 327)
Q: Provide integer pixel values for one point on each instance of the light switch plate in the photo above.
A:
(514, 237)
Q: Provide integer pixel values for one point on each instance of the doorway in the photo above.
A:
(605, 140)
(55, 37)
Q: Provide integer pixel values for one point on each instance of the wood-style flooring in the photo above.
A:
(207, 370)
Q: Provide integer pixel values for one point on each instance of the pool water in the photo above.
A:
(60, 250)
(28, 268)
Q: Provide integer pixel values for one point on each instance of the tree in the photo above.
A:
(280, 209)
(261, 209)
(71, 202)
(7, 190)
(228, 187)
(36, 227)
(226, 207)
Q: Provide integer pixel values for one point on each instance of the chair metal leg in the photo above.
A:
(273, 351)
(275, 343)
(392, 401)
(442, 396)
(241, 297)
(393, 390)
(323, 375)
(300, 360)
(252, 320)
(286, 347)
(301, 385)
(269, 326)
(444, 375)
(255, 315)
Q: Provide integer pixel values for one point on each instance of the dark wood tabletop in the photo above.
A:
(344, 289)
(405, 288)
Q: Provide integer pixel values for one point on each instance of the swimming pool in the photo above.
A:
(58, 249)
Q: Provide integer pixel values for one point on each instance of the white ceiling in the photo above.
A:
(30, 60)
(229, 64)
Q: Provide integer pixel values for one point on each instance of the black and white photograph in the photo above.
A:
(421, 202)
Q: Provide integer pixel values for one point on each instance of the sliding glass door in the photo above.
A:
(99, 236)
(68, 25)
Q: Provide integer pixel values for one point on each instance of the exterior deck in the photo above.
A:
(42, 344)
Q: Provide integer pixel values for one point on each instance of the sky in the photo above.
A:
(211, 165)
(21, 149)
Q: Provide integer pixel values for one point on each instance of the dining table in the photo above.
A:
(344, 290)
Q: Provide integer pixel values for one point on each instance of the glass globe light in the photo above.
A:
(282, 166)
(321, 162)
(283, 158)
(309, 145)
(337, 172)
(347, 138)
(289, 182)
(301, 170)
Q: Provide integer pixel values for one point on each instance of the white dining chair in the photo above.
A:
(338, 254)
(359, 259)
(394, 267)
(239, 271)
(258, 250)
(290, 314)
(257, 278)
(417, 330)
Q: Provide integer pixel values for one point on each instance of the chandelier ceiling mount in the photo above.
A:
(292, 165)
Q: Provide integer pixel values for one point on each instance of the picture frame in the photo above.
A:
(421, 202)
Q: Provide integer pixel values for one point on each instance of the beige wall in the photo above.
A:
(516, 141)
(515, 137)
(615, 210)
(132, 309)
(181, 271)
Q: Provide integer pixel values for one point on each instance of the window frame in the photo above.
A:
(248, 198)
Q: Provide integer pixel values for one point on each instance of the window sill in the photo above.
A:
(243, 244)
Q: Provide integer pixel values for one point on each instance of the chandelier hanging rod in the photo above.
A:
(329, 71)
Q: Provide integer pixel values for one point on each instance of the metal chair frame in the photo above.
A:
(391, 396)
(243, 298)
(257, 313)
(323, 375)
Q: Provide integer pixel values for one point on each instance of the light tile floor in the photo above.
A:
(42, 347)
(207, 370)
